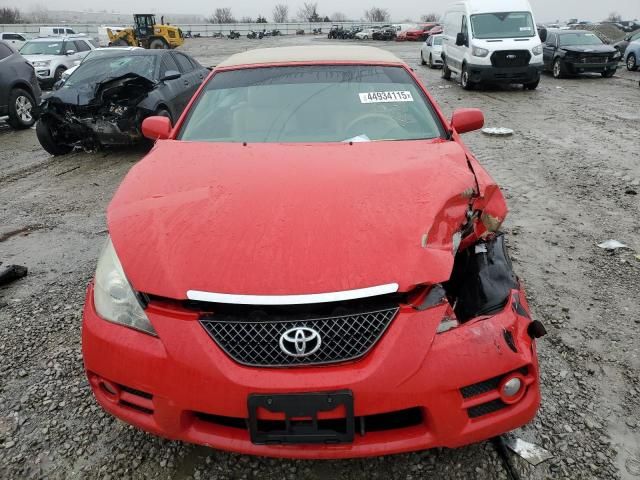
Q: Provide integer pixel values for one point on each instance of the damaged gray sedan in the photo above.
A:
(104, 102)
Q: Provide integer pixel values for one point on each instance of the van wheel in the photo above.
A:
(446, 73)
(465, 81)
(47, 140)
(21, 109)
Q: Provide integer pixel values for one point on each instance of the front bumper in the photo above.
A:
(182, 386)
(579, 67)
(490, 74)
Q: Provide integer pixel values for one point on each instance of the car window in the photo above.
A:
(636, 36)
(70, 31)
(551, 40)
(5, 51)
(320, 103)
(437, 41)
(51, 47)
(184, 63)
(94, 43)
(56, 30)
(168, 64)
(12, 36)
(81, 46)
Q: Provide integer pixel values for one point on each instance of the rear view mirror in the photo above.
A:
(543, 34)
(467, 120)
(156, 128)
(170, 75)
(461, 39)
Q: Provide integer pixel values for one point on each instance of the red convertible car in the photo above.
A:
(309, 264)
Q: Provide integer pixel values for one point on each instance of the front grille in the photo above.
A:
(257, 342)
(594, 59)
(510, 58)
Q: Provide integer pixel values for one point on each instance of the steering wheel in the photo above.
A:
(369, 117)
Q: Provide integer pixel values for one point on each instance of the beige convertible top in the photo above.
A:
(312, 54)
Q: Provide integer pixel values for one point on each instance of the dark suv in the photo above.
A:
(19, 89)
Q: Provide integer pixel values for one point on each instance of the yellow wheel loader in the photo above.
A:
(147, 34)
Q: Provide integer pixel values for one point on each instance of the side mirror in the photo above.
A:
(70, 52)
(170, 75)
(156, 128)
(543, 34)
(461, 39)
(466, 120)
(58, 85)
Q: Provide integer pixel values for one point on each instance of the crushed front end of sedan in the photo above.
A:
(343, 288)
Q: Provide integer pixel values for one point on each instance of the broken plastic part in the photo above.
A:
(436, 296)
(536, 330)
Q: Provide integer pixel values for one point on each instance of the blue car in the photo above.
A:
(632, 56)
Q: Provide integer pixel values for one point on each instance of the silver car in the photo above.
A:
(431, 52)
(51, 56)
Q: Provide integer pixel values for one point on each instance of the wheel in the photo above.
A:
(21, 109)
(422, 62)
(446, 73)
(158, 44)
(48, 141)
(608, 73)
(559, 70)
(58, 74)
(632, 62)
(531, 85)
(465, 80)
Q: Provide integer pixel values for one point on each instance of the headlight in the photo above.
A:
(42, 63)
(114, 298)
(479, 52)
(537, 50)
(617, 55)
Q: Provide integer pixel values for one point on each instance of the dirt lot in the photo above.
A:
(571, 174)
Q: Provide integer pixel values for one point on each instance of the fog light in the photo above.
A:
(512, 387)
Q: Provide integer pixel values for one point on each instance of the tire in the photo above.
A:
(446, 73)
(422, 62)
(558, 69)
(21, 109)
(58, 74)
(632, 62)
(465, 81)
(158, 44)
(45, 137)
(609, 73)
(531, 85)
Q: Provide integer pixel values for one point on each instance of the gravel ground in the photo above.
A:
(571, 175)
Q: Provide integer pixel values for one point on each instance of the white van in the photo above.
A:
(492, 41)
(55, 31)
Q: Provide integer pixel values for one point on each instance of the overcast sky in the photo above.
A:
(545, 10)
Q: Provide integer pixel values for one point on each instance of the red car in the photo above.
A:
(309, 265)
(420, 33)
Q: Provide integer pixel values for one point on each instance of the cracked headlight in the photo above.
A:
(537, 50)
(479, 52)
(42, 63)
(113, 297)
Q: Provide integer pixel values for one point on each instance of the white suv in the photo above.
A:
(51, 56)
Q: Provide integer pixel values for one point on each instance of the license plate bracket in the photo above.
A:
(301, 423)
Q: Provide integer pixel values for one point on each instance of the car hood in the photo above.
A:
(87, 94)
(40, 58)
(589, 49)
(271, 219)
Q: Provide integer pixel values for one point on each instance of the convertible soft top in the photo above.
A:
(311, 54)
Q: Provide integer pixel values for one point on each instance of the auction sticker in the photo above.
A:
(386, 97)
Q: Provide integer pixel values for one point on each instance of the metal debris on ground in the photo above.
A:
(612, 245)
(11, 273)
(498, 132)
(530, 452)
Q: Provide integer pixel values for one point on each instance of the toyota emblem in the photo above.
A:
(300, 342)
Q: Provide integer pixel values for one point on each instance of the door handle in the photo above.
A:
(186, 82)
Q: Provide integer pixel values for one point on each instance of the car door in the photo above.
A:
(190, 77)
(82, 49)
(171, 92)
(549, 49)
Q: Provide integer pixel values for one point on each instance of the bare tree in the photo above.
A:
(614, 17)
(309, 12)
(375, 14)
(281, 13)
(339, 17)
(222, 15)
(39, 13)
(10, 15)
(246, 20)
(430, 17)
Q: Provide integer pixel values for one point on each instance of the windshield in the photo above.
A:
(311, 104)
(106, 67)
(437, 41)
(579, 38)
(93, 54)
(503, 25)
(42, 48)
